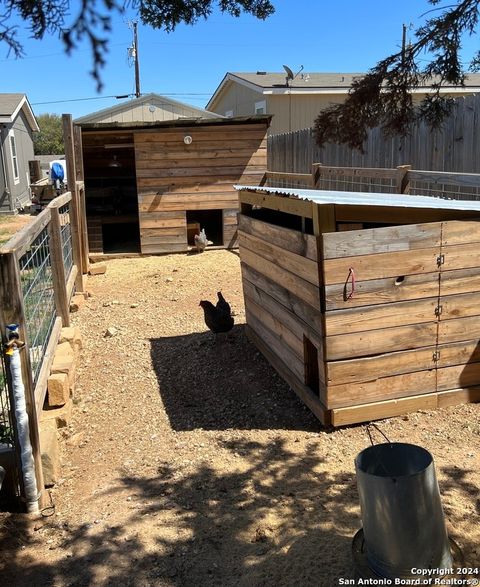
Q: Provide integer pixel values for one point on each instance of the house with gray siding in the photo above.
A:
(17, 125)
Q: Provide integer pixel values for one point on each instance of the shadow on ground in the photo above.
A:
(276, 521)
(217, 385)
(280, 521)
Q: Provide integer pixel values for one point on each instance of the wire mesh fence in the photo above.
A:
(345, 183)
(66, 237)
(39, 300)
(444, 191)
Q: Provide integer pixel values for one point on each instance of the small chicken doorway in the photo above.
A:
(209, 220)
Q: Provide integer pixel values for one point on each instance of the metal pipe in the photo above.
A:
(25, 447)
(4, 170)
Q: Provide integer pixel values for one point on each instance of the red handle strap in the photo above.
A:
(351, 276)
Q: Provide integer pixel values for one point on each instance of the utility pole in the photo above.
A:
(133, 54)
(404, 42)
(137, 69)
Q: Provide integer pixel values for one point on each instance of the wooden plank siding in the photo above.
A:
(369, 347)
(393, 312)
(173, 178)
(282, 302)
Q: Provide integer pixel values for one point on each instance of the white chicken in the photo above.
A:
(201, 241)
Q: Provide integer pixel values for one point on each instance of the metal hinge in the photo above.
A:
(436, 356)
(438, 310)
(440, 259)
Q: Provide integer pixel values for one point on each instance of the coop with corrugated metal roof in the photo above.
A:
(368, 305)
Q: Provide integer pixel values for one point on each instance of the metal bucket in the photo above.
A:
(403, 523)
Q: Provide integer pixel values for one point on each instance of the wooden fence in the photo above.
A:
(452, 148)
(40, 267)
(399, 180)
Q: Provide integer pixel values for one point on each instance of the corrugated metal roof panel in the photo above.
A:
(179, 122)
(367, 199)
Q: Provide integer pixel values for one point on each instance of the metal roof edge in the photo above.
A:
(180, 122)
(324, 197)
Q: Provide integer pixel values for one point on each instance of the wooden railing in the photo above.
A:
(400, 180)
(39, 267)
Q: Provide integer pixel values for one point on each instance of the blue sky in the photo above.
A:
(188, 64)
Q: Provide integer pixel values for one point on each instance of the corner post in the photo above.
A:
(403, 181)
(58, 268)
(75, 208)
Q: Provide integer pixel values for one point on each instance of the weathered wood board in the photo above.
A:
(174, 177)
(393, 311)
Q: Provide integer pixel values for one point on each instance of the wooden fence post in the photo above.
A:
(316, 173)
(75, 209)
(12, 312)
(403, 181)
(58, 267)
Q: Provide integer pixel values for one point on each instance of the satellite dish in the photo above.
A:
(289, 72)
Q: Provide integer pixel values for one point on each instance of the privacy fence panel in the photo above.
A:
(453, 147)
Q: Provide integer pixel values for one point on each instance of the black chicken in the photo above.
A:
(218, 318)
(222, 304)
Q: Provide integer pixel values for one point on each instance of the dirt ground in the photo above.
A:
(10, 224)
(189, 462)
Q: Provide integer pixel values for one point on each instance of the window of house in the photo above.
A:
(229, 113)
(13, 152)
(261, 107)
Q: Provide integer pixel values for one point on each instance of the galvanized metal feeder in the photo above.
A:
(403, 522)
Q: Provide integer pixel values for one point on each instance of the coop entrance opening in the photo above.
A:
(312, 377)
(121, 237)
(209, 220)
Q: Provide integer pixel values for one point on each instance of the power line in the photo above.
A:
(80, 99)
(117, 97)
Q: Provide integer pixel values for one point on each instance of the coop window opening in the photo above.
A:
(282, 219)
(312, 374)
(209, 220)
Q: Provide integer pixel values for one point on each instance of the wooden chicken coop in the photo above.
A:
(368, 305)
(150, 187)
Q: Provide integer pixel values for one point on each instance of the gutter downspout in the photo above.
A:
(4, 171)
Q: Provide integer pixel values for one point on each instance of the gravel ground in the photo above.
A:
(189, 462)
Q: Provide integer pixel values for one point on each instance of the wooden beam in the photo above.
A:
(78, 150)
(21, 240)
(84, 252)
(41, 386)
(403, 179)
(291, 240)
(383, 409)
(277, 202)
(323, 218)
(58, 268)
(75, 209)
(332, 172)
